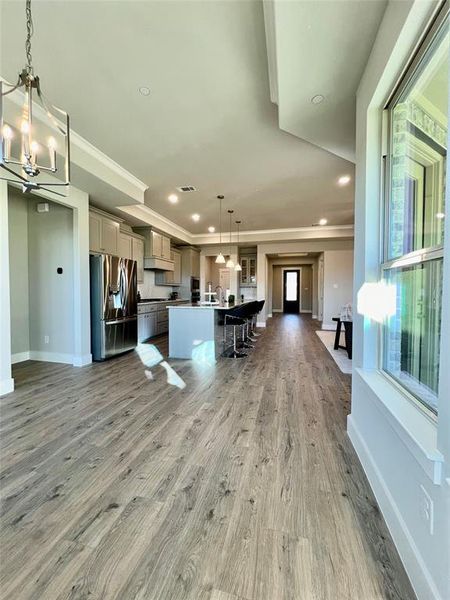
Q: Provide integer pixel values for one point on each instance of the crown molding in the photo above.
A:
(108, 162)
(154, 219)
(282, 231)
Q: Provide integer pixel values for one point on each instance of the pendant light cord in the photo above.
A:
(30, 31)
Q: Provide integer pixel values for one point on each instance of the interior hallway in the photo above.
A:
(243, 485)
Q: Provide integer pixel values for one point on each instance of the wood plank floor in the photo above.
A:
(241, 486)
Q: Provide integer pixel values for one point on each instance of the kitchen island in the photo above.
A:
(196, 332)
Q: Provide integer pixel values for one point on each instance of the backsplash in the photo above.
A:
(149, 289)
(250, 292)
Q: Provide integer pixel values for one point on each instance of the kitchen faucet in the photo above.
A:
(221, 296)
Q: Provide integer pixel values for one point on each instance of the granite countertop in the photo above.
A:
(150, 301)
(225, 306)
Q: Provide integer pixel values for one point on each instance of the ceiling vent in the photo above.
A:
(187, 188)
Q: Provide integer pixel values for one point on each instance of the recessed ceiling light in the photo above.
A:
(323, 221)
(173, 198)
(440, 215)
(145, 91)
(211, 229)
(344, 179)
(195, 217)
(317, 99)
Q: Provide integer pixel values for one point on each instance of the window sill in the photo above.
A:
(416, 430)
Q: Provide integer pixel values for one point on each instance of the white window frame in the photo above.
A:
(417, 256)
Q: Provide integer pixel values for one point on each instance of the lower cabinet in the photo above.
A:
(147, 326)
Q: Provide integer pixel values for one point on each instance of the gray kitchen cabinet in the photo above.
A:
(248, 273)
(172, 278)
(137, 254)
(95, 232)
(165, 248)
(125, 249)
(103, 233)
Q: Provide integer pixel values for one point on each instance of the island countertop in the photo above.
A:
(196, 331)
(225, 306)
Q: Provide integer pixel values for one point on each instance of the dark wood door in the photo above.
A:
(291, 291)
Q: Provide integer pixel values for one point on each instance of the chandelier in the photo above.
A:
(24, 154)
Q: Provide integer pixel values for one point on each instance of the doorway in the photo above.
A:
(291, 291)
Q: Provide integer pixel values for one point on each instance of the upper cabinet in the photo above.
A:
(103, 233)
(110, 236)
(125, 245)
(248, 273)
(171, 277)
(156, 250)
(137, 245)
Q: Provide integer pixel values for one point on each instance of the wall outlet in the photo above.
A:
(427, 509)
(46, 339)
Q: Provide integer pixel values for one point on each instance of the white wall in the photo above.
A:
(400, 448)
(149, 289)
(337, 284)
(265, 261)
(78, 202)
(51, 295)
(18, 265)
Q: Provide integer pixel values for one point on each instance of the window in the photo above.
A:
(415, 217)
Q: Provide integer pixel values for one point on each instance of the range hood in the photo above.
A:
(156, 249)
(158, 264)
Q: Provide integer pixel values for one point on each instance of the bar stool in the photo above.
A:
(234, 318)
(246, 339)
(259, 307)
(252, 310)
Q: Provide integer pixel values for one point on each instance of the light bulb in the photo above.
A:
(173, 198)
(323, 221)
(52, 143)
(25, 127)
(440, 215)
(7, 132)
(220, 259)
(196, 217)
(344, 180)
(238, 267)
(211, 229)
(230, 264)
(34, 147)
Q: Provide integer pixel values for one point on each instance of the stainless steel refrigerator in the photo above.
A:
(113, 305)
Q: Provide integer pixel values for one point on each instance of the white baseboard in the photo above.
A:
(58, 357)
(410, 556)
(306, 311)
(6, 386)
(81, 360)
(77, 360)
(19, 357)
(269, 316)
(314, 317)
(260, 324)
(329, 326)
(277, 310)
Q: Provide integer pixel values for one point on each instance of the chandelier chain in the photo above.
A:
(30, 31)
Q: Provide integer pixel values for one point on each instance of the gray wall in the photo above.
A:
(50, 245)
(337, 284)
(306, 282)
(18, 267)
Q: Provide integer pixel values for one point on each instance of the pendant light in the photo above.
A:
(238, 266)
(20, 148)
(230, 263)
(220, 259)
